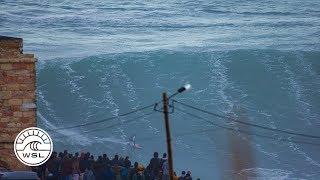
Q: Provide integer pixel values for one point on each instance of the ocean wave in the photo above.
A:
(251, 13)
(104, 85)
(265, 173)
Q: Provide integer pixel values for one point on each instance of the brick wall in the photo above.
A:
(17, 97)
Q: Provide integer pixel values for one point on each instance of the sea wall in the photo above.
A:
(17, 97)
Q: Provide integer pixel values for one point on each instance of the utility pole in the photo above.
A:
(165, 110)
(168, 135)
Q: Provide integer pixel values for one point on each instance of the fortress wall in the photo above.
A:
(17, 97)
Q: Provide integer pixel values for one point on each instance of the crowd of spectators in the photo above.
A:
(84, 166)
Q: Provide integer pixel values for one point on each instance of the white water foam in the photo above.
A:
(303, 107)
(74, 137)
(266, 174)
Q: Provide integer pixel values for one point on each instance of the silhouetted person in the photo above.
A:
(165, 170)
(147, 173)
(133, 170)
(53, 165)
(88, 174)
(175, 177)
(188, 176)
(155, 166)
(116, 170)
(75, 167)
(83, 162)
(164, 158)
(88, 155)
(115, 160)
(183, 175)
(108, 173)
(121, 161)
(91, 161)
(67, 168)
(127, 162)
(60, 157)
(138, 176)
(105, 160)
(41, 170)
(65, 152)
(124, 173)
(99, 169)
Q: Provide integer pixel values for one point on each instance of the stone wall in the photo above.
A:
(17, 97)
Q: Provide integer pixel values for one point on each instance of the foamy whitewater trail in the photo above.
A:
(73, 136)
(270, 174)
(125, 86)
(297, 90)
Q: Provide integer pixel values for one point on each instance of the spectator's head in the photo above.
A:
(76, 154)
(183, 174)
(136, 165)
(65, 152)
(116, 157)
(82, 155)
(54, 154)
(155, 155)
(91, 157)
(60, 155)
(164, 155)
(99, 158)
(188, 175)
(105, 156)
(127, 157)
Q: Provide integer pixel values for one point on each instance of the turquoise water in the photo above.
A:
(97, 59)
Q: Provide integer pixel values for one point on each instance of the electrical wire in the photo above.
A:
(179, 134)
(120, 123)
(246, 132)
(113, 125)
(103, 120)
(247, 123)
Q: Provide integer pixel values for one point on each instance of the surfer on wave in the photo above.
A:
(132, 143)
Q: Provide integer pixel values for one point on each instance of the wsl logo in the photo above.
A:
(33, 146)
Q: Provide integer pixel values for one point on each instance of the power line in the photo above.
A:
(179, 134)
(247, 123)
(103, 120)
(120, 123)
(113, 125)
(246, 132)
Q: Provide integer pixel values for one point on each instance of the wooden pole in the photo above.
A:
(168, 135)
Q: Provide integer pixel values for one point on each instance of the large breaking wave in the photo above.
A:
(278, 89)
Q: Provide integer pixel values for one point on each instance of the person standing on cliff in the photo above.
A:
(67, 167)
(75, 167)
(165, 170)
(155, 166)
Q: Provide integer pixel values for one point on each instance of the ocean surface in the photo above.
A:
(98, 59)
